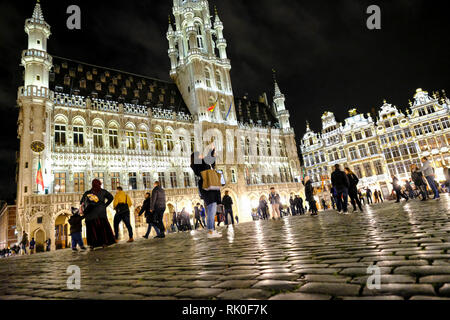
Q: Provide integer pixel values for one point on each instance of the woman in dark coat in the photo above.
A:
(94, 203)
(212, 197)
(263, 208)
(309, 193)
(353, 190)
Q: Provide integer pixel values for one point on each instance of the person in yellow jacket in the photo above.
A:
(122, 204)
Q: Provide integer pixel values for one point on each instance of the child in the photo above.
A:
(75, 229)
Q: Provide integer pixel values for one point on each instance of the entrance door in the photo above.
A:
(40, 240)
(61, 233)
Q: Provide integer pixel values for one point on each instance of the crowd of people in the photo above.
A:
(217, 210)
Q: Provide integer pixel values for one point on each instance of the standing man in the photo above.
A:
(48, 242)
(32, 245)
(428, 171)
(158, 207)
(122, 204)
(340, 182)
(149, 217)
(198, 217)
(228, 205)
(369, 196)
(24, 242)
(292, 202)
(274, 200)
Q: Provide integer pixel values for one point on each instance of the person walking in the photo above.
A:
(93, 206)
(275, 201)
(375, 195)
(149, 217)
(340, 181)
(369, 196)
(263, 208)
(409, 190)
(361, 197)
(24, 242)
(122, 204)
(299, 205)
(198, 218)
(48, 243)
(333, 198)
(309, 193)
(211, 197)
(158, 207)
(324, 205)
(380, 195)
(353, 190)
(228, 206)
(292, 202)
(428, 171)
(419, 182)
(203, 215)
(447, 178)
(76, 227)
(32, 245)
(398, 189)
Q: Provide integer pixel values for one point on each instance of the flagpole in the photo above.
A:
(39, 162)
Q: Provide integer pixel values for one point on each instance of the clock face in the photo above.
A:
(37, 146)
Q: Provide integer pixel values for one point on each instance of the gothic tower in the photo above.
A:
(280, 109)
(35, 102)
(199, 63)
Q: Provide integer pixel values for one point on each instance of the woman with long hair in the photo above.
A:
(353, 190)
(309, 193)
(94, 203)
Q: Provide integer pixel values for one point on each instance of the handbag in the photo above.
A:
(211, 180)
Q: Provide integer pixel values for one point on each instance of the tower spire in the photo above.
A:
(37, 12)
(277, 88)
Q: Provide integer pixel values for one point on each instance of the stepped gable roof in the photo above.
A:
(78, 78)
(258, 113)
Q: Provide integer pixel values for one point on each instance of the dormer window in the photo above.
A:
(38, 41)
(38, 78)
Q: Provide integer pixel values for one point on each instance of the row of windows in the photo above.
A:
(358, 135)
(396, 136)
(402, 167)
(434, 143)
(60, 181)
(433, 126)
(284, 176)
(401, 150)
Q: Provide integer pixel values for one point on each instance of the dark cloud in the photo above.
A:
(325, 57)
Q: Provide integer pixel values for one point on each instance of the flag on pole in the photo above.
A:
(39, 177)
(213, 107)
(229, 110)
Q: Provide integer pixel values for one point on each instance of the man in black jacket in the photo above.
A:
(158, 207)
(340, 182)
(299, 205)
(149, 217)
(292, 203)
(228, 205)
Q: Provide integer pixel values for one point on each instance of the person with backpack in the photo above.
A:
(32, 245)
(353, 190)
(76, 227)
(211, 197)
(24, 242)
(93, 206)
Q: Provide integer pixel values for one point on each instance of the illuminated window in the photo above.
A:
(100, 176)
(158, 141)
(78, 136)
(218, 80)
(147, 180)
(378, 167)
(173, 180)
(363, 150)
(115, 180)
(373, 148)
(143, 141)
(208, 78)
(132, 180)
(60, 182)
(98, 138)
(187, 180)
(169, 140)
(113, 139)
(162, 179)
(78, 182)
(131, 145)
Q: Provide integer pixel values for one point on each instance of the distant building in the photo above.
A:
(8, 236)
(376, 150)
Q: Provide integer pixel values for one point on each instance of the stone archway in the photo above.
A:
(39, 237)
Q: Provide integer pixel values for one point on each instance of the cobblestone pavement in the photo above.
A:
(324, 257)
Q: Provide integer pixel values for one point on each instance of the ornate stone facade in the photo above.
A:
(132, 130)
(378, 150)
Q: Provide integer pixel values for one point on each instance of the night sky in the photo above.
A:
(326, 58)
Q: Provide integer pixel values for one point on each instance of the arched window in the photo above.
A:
(247, 146)
(113, 134)
(158, 140)
(60, 134)
(131, 144)
(169, 140)
(208, 78)
(143, 141)
(78, 134)
(269, 151)
(257, 147)
(199, 35)
(98, 137)
(218, 80)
